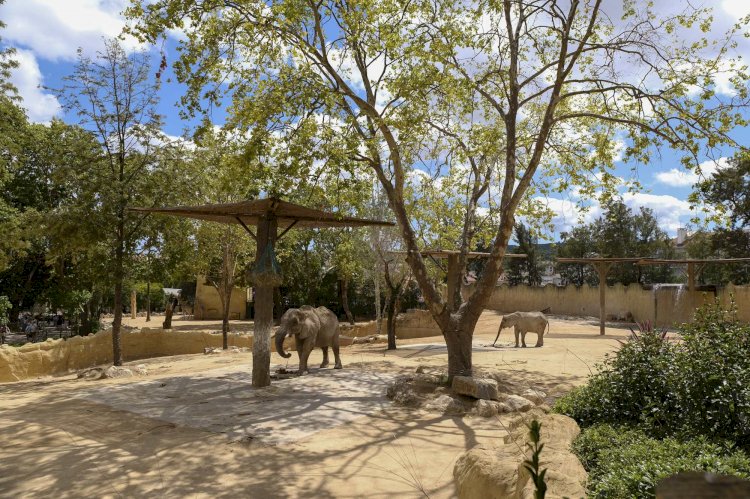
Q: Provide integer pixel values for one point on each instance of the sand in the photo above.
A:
(195, 427)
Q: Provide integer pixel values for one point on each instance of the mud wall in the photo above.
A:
(663, 305)
(79, 352)
(412, 324)
(208, 304)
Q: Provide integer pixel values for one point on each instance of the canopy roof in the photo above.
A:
(248, 213)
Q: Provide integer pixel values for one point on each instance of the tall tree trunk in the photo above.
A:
(117, 320)
(266, 234)
(378, 308)
(148, 301)
(277, 311)
(226, 304)
(391, 324)
(171, 305)
(344, 294)
(458, 342)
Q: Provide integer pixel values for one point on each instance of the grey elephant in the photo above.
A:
(522, 323)
(311, 327)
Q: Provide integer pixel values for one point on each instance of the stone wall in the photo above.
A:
(208, 304)
(79, 352)
(412, 324)
(665, 305)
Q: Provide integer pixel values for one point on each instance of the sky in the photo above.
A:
(48, 33)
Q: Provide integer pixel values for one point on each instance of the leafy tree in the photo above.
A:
(726, 192)
(115, 99)
(504, 84)
(618, 233)
(527, 270)
(578, 243)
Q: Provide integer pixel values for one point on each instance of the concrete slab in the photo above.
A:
(223, 401)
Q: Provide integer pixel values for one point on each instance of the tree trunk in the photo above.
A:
(148, 301)
(117, 320)
(458, 342)
(171, 305)
(266, 233)
(133, 304)
(277, 304)
(227, 302)
(344, 294)
(378, 309)
(391, 324)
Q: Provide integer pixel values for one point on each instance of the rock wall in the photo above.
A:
(79, 352)
(498, 473)
(412, 324)
(664, 305)
(208, 303)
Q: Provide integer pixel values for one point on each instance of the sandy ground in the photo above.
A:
(195, 427)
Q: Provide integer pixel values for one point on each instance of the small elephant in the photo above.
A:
(311, 327)
(524, 322)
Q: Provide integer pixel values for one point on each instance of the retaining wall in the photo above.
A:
(663, 305)
(80, 352)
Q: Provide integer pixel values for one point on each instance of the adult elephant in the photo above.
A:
(310, 327)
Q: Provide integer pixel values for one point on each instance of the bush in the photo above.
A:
(625, 462)
(697, 387)
(632, 387)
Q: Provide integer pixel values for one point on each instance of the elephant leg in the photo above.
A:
(325, 357)
(336, 356)
(523, 339)
(515, 331)
(540, 339)
(307, 348)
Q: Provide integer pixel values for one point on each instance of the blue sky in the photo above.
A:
(47, 34)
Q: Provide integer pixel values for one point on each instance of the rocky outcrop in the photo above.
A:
(498, 472)
(485, 389)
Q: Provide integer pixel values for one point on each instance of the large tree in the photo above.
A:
(519, 89)
(115, 97)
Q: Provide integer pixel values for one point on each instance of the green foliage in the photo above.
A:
(619, 232)
(727, 191)
(697, 387)
(624, 462)
(5, 307)
(631, 387)
(527, 270)
(532, 464)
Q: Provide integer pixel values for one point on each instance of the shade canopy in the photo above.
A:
(249, 212)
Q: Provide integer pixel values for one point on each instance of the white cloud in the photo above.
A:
(55, 29)
(736, 8)
(671, 213)
(681, 178)
(40, 106)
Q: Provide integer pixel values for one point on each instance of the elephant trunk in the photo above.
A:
(280, 344)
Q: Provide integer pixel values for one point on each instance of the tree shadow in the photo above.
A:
(69, 442)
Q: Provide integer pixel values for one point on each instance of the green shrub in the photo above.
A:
(697, 387)
(625, 462)
(632, 387)
(713, 381)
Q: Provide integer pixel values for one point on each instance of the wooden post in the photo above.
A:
(266, 234)
(133, 305)
(691, 276)
(602, 268)
(453, 283)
